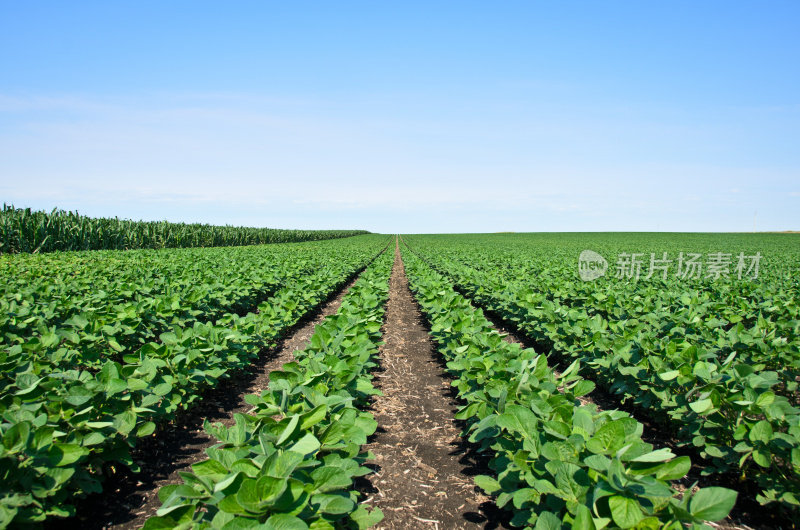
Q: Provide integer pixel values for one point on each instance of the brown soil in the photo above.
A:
(128, 498)
(423, 468)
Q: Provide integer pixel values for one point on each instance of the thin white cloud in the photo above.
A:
(209, 154)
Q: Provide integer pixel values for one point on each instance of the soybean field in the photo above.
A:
(539, 381)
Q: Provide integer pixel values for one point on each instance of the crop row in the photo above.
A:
(755, 317)
(709, 385)
(290, 462)
(557, 462)
(23, 230)
(63, 422)
(85, 331)
(117, 301)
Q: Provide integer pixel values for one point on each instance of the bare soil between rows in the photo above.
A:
(423, 467)
(128, 499)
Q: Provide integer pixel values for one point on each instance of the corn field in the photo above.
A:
(23, 230)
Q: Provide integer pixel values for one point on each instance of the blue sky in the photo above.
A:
(406, 117)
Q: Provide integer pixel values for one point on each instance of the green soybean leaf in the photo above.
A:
(27, 384)
(293, 499)
(179, 519)
(701, 405)
(146, 429)
(329, 478)
(209, 467)
(548, 521)
(241, 523)
(66, 454)
(333, 504)
(674, 469)
(283, 521)
(365, 518)
(669, 376)
(608, 439)
(487, 484)
(230, 504)
(583, 519)
(78, 396)
(598, 462)
(16, 438)
(761, 432)
(313, 416)
(306, 445)
(280, 464)
(762, 458)
(124, 422)
(255, 495)
(230, 485)
(583, 387)
(289, 430)
(626, 512)
(712, 504)
(162, 389)
(765, 399)
(136, 384)
(655, 456)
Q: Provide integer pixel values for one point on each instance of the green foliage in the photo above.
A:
(557, 462)
(88, 371)
(23, 230)
(291, 462)
(719, 360)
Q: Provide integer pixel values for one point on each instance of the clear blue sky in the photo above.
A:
(411, 117)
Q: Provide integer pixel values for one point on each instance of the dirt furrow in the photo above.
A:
(130, 498)
(424, 469)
